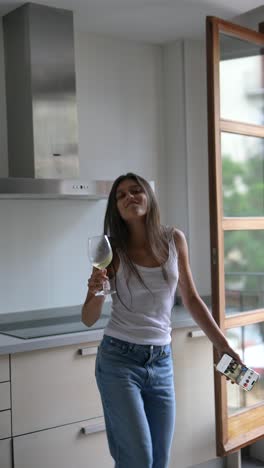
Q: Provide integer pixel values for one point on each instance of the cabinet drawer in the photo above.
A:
(54, 387)
(5, 424)
(4, 368)
(6, 453)
(4, 395)
(65, 447)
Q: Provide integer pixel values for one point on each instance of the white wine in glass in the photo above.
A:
(101, 254)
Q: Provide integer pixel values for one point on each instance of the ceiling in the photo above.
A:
(156, 21)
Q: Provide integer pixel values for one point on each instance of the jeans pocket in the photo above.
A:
(166, 353)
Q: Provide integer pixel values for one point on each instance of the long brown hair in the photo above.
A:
(117, 230)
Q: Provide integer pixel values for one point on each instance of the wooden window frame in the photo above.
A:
(230, 430)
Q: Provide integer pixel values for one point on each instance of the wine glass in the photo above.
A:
(101, 254)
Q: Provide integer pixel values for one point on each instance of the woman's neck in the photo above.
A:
(137, 235)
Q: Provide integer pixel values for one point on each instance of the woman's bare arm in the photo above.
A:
(92, 306)
(195, 304)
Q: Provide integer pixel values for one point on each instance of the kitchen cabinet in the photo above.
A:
(56, 409)
(5, 423)
(52, 387)
(65, 446)
(4, 396)
(57, 417)
(194, 437)
(5, 412)
(4, 368)
(6, 453)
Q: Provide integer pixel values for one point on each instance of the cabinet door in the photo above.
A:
(6, 453)
(5, 424)
(194, 437)
(52, 387)
(4, 396)
(4, 368)
(65, 447)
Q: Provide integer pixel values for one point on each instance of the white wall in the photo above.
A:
(251, 19)
(187, 154)
(197, 163)
(43, 252)
(119, 104)
(43, 242)
(175, 135)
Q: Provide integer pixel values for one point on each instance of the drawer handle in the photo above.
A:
(196, 334)
(99, 427)
(87, 351)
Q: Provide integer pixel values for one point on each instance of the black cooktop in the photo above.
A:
(47, 322)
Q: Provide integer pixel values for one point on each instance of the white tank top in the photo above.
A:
(147, 318)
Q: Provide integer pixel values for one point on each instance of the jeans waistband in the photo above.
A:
(127, 344)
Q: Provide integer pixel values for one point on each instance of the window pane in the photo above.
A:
(243, 175)
(248, 341)
(241, 80)
(244, 270)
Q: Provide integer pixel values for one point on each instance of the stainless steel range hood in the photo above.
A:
(24, 188)
(41, 105)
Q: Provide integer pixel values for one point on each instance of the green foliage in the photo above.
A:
(243, 195)
(243, 186)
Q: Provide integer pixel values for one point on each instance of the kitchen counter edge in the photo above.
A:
(9, 345)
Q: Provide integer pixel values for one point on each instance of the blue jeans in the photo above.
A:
(137, 392)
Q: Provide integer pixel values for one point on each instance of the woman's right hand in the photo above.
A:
(96, 280)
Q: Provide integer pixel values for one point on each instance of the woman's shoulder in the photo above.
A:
(175, 237)
(178, 237)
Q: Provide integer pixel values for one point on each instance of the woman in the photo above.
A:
(134, 368)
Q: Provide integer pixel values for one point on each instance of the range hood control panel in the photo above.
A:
(80, 187)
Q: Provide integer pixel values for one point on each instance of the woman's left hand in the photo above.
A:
(228, 350)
